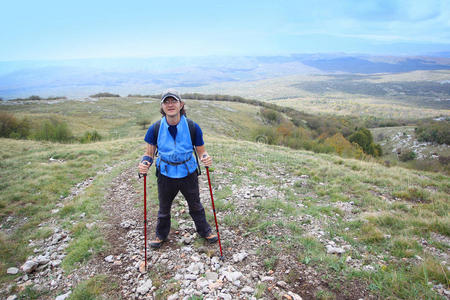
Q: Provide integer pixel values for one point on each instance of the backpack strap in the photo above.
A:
(192, 130)
(156, 129)
(155, 134)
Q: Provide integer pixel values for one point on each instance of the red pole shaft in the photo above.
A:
(145, 220)
(214, 210)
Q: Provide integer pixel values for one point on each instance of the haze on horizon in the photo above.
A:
(58, 30)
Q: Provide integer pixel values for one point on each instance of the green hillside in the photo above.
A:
(120, 117)
(315, 225)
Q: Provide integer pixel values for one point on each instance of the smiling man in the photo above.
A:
(175, 137)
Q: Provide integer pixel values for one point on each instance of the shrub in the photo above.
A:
(104, 95)
(285, 129)
(34, 97)
(342, 146)
(321, 148)
(91, 136)
(271, 116)
(53, 130)
(377, 150)
(363, 137)
(143, 122)
(10, 127)
(266, 135)
(407, 155)
(8, 124)
(434, 132)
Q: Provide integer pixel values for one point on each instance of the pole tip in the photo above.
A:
(143, 268)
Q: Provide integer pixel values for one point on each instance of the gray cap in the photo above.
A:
(170, 93)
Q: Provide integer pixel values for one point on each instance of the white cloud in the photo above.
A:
(390, 21)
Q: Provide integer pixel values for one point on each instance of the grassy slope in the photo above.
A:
(394, 208)
(117, 117)
(32, 186)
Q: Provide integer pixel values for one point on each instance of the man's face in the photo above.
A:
(172, 106)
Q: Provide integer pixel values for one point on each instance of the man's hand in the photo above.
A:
(206, 160)
(143, 166)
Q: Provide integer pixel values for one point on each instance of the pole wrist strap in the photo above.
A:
(147, 158)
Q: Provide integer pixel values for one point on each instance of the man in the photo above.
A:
(176, 166)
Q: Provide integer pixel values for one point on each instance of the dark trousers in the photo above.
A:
(168, 188)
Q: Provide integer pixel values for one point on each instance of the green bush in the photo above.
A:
(266, 135)
(377, 150)
(53, 130)
(271, 116)
(144, 122)
(343, 147)
(8, 123)
(11, 127)
(363, 137)
(48, 130)
(91, 136)
(434, 132)
(34, 97)
(407, 155)
(104, 95)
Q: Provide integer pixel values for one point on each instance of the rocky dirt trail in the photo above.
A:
(186, 265)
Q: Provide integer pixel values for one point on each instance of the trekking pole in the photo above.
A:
(145, 219)
(214, 210)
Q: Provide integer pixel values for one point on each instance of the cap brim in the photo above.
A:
(170, 96)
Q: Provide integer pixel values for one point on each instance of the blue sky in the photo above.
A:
(34, 30)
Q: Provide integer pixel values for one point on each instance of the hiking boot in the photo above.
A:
(211, 238)
(156, 243)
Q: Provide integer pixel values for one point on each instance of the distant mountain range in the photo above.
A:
(83, 77)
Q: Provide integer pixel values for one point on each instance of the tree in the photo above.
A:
(105, 94)
(143, 122)
(271, 115)
(363, 137)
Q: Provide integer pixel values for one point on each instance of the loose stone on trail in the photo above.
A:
(12, 271)
(29, 266)
(145, 287)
